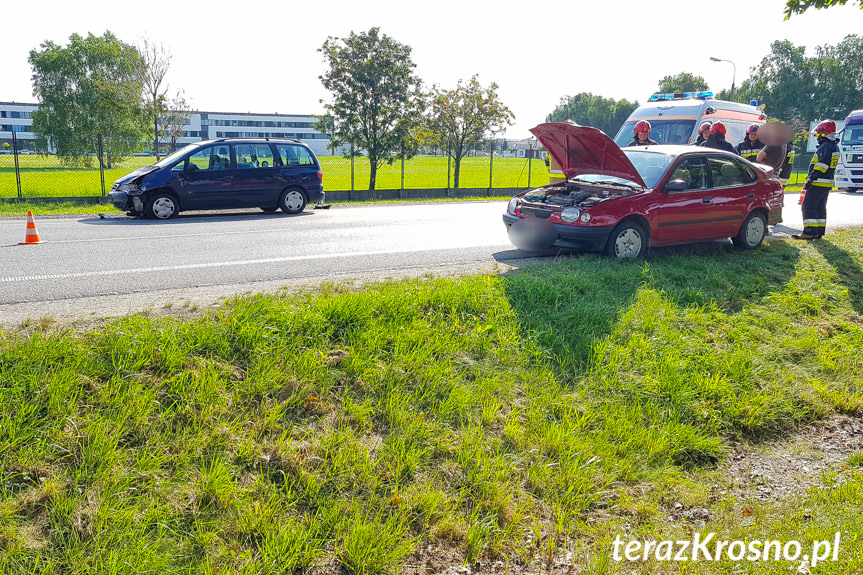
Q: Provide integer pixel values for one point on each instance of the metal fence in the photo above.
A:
(25, 174)
(487, 170)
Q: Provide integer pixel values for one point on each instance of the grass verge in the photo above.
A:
(507, 423)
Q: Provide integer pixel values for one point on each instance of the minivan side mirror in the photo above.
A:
(675, 186)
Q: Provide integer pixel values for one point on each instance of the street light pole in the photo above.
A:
(733, 76)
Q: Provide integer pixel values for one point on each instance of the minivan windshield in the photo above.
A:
(168, 160)
(669, 131)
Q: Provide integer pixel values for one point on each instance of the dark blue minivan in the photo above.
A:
(228, 173)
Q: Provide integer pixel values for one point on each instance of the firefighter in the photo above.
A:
(717, 140)
(785, 171)
(641, 135)
(819, 182)
(751, 145)
(703, 131)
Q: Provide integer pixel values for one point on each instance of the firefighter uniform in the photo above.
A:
(817, 188)
(749, 149)
(785, 171)
(648, 142)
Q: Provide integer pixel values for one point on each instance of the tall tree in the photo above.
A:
(377, 99)
(465, 116)
(155, 62)
(88, 91)
(586, 109)
(783, 82)
(175, 117)
(799, 89)
(683, 82)
(800, 6)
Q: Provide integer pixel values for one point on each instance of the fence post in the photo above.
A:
(352, 171)
(17, 167)
(101, 164)
(402, 189)
(529, 161)
(448, 171)
(490, 164)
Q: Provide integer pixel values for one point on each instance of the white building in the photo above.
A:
(16, 117)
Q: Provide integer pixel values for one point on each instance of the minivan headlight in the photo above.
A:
(513, 204)
(570, 215)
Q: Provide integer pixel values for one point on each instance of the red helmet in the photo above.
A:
(641, 126)
(704, 126)
(718, 127)
(753, 128)
(825, 129)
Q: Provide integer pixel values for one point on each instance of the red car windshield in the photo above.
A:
(651, 166)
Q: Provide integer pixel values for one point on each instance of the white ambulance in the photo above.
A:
(675, 118)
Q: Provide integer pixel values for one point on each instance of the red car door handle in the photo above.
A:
(707, 201)
(750, 196)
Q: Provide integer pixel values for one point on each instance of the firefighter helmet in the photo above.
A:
(704, 126)
(825, 129)
(753, 128)
(641, 126)
(718, 127)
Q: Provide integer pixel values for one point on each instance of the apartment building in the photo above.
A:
(17, 117)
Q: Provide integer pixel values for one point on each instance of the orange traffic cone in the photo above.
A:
(32, 236)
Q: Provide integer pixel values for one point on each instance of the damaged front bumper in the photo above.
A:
(128, 200)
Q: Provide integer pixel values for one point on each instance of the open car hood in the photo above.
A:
(584, 150)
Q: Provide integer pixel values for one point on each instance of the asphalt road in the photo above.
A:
(104, 267)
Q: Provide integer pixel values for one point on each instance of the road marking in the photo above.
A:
(103, 273)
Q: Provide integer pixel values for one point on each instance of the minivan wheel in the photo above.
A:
(292, 201)
(162, 207)
(751, 233)
(628, 240)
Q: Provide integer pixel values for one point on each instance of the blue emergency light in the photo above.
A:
(753, 103)
(681, 96)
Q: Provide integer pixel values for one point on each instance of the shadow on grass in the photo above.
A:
(850, 274)
(573, 303)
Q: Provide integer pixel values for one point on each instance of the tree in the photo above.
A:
(377, 99)
(586, 109)
(175, 117)
(783, 82)
(683, 82)
(155, 62)
(465, 116)
(799, 89)
(89, 93)
(801, 6)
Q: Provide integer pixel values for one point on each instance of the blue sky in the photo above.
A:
(262, 57)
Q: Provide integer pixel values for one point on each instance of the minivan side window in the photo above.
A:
(254, 156)
(211, 158)
(293, 155)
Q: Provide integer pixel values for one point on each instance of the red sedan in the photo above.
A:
(622, 201)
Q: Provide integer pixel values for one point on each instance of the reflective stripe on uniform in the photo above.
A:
(814, 223)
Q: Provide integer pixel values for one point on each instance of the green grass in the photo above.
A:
(45, 176)
(524, 418)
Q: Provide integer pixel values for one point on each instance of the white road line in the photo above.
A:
(215, 264)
